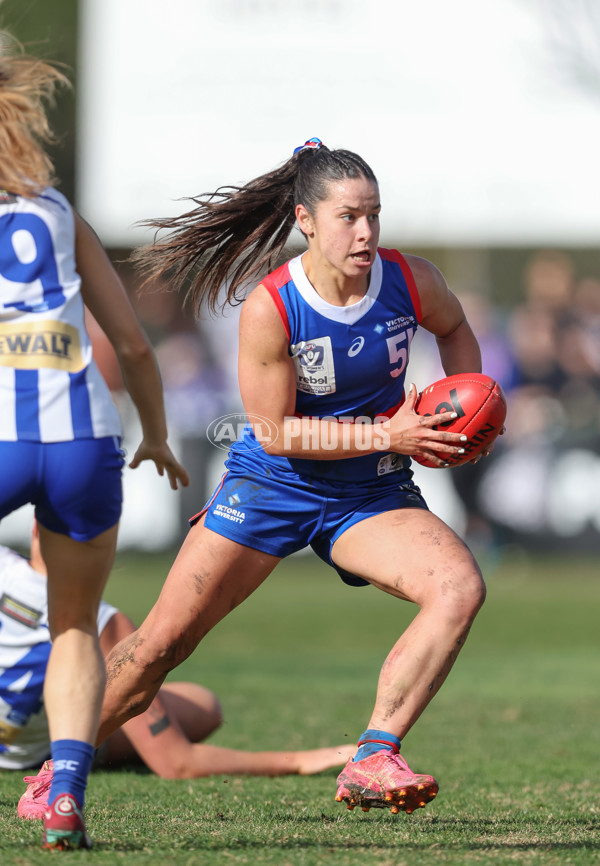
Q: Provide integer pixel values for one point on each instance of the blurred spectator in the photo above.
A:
(555, 334)
(497, 354)
(195, 395)
(579, 350)
(554, 410)
(498, 361)
(196, 388)
(534, 325)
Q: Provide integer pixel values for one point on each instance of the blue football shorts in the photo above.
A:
(75, 486)
(280, 512)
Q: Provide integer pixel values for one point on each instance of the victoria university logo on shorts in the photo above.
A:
(227, 429)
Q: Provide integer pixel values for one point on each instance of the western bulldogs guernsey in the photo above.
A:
(50, 387)
(350, 361)
(24, 651)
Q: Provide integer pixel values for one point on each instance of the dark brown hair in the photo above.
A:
(239, 232)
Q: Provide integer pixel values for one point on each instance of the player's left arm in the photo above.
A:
(106, 298)
(444, 317)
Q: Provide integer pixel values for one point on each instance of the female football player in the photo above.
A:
(325, 458)
(59, 429)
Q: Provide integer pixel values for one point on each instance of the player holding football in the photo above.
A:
(325, 336)
(59, 429)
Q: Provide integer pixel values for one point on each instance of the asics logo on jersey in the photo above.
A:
(356, 346)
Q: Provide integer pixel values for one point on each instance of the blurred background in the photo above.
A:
(482, 123)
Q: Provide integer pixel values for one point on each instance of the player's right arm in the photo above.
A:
(105, 296)
(444, 317)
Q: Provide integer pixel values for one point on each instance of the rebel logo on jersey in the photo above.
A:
(313, 361)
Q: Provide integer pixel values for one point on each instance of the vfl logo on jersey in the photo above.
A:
(315, 371)
(356, 346)
(31, 345)
(311, 357)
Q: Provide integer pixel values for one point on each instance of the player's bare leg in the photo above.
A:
(210, 577)
(77, 574)
(413, 555)
(75, 676)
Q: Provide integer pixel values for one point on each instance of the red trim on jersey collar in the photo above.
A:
(272, 283)
(395, 256)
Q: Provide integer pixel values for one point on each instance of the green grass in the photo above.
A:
(513, 737)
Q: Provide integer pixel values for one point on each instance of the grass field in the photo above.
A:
(513, 737)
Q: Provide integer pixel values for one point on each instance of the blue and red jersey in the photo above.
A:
(350, 362)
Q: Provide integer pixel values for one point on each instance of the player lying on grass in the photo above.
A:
(167, 737)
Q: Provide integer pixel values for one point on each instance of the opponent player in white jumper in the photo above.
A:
(324, 342)
(167, 737)
(59, 430)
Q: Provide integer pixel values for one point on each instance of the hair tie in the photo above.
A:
(315, 143)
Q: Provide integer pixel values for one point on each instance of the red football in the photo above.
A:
(480, 404)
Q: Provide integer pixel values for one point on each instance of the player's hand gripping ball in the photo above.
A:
(480, 405)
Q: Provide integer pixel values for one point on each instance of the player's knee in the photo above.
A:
(477, 593)
(209, 717)
(215, 714)
(462, 593)
(471, 594)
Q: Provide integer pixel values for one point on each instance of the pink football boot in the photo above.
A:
(34, 801)
(384, 780)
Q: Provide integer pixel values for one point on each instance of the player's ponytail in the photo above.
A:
(26, 83)
(238, 233)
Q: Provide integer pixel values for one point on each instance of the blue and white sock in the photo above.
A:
(373, 741)
(72, 762)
